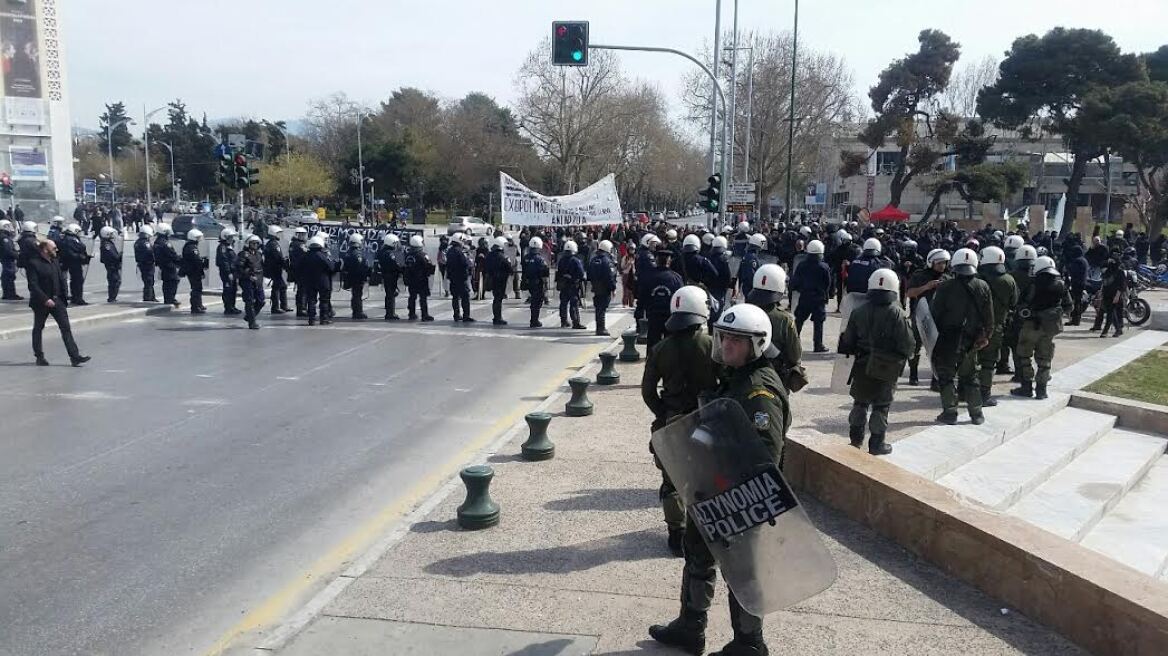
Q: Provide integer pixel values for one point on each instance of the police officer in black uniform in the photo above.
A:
(661, 283)
(167, 260)
(111, 258)
(318, 268)
(458, 268)
(193, 265)
(418, 270)
(249, 271)
(74, 257)
(535, 275)
(9, 255)
(602, 273)
(297, 249)
(225, 261)
(498, 270)
(355, 274)
(144, 259)
(274, 265)
(570, 278)
(390, 272)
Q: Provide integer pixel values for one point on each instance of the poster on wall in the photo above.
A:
(20, 57)
(29, 164)
(18, 7)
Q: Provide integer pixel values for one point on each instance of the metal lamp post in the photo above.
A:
(109, 141)
(146, 141)
(361, 161)
(791, 116)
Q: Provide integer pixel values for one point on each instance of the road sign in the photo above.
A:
(740, 208)
(741, 192)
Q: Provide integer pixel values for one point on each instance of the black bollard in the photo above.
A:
(629, 353)
(642, 331)
(608, 374)
(579, 405)
(538, 446)
(479, 510)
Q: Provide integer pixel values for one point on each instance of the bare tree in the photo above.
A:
(331, 124)
(960, 97)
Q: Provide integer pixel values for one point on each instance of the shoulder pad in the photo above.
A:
(760, 391)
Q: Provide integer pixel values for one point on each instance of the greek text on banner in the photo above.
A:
(596, 205)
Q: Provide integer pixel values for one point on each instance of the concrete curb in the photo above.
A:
(103, 318)
(282, 634)
(1137, 415)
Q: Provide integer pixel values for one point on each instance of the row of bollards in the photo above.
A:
(479, 510)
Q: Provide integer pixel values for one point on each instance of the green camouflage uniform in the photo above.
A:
(964, 313)
(1005, 295)
(881, 329)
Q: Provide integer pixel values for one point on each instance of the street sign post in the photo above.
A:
(741, 193)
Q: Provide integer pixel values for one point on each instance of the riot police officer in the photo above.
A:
(167, 260)
(274, 266)
(661, 283)
(1020, 269)
(193, 265)
(720, 285)
(602, 273)
(1041, 315)
(767, 292)
(297, 249)
(695, 268)
(355, 274)
(812, 281)
(418, 269)
(391, 272)
(56, 229)
(879, 337)
(74, 257)
(458, 268)
(144, 260)
(318, 269)
(225, 262)
(964, 313)
(249, 271)
(9, 254)
(111, 258)
(569, 281)
(27, 244)
(992, 269)
(741, 337)
(750, 263)
(498, 271)
(862, 268)
(923, 284)
(680, 364)
(535, 275)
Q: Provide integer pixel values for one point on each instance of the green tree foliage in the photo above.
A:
(1043, 83)
(295, 176)
(114, 113)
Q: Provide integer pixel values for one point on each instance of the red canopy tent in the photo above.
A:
(890, 213)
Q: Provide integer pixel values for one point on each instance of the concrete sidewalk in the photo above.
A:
(578, 565)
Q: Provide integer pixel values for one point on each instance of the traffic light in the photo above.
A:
(253, 176)
(225, 164)
(712, 194)
(570, 43)
(242, 178)
(5, 184)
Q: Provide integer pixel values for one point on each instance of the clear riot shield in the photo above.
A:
(841, 369)
(926, 327)
(768, 550)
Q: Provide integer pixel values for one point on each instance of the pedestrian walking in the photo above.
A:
(46, 291)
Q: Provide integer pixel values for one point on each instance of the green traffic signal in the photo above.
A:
(712, 194)
(570, 43)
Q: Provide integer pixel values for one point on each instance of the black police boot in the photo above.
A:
(1040, 391)
(79, 360)
(687, 633)
(876, 445)
(1016, 378)
(987, 398)
(253, 326)
(744, 646)
(675, 537)
(41, 361)
(536, 324)
(913, 377)
(1003, 369)
(1025, 390)
(857, 435)
(427, 318)
(947, 417)
(312, 321)
(934, 386)
(579, 326)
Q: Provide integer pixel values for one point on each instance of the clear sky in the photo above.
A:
(152, 51)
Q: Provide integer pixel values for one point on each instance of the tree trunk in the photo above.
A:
(941, 191)
(900, 179)
(1078, 172)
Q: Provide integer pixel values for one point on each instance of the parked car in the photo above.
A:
(303, 217)
(471, 225)
(204, 222)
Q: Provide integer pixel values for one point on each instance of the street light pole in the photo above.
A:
(361, 163)
(109, 141)
(732, 119)
(749, 117)
(714, 89)
(791, 116)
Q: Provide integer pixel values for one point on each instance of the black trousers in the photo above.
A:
(498, 293)
(147, 274)
(61, 316)
(419, 298)
(113, 280)
(390, 299)
(656, 329)
(8, 279)
(601, 301)
(356, 303)
(460, 299)
(76, 283)
(169, 290)
(196, 282)
(279, 293)
(230, 289)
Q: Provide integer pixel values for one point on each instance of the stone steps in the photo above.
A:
(1005, 474)
(1135, 531)
(1073, 500)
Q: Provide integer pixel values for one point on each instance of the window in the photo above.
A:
(887, 162)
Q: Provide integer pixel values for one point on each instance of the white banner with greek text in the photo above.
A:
(596, 205)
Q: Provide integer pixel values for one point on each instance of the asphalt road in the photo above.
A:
(193, 468)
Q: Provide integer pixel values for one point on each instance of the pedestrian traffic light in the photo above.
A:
(225, 164)
(712, 194)
(253, 176)
(242, 179)
(570, 43)
(5, 183)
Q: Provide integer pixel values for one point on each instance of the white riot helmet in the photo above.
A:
(744, 227)
(1025, 254)
(356, 239)
(391, 240)
(645, 241)
(843, 235)
(1044, 264)
(6, 226)
(194, 235)
(671, 235)
(58, 220)
(708, 239)
(815, 247)
(873, 245)
(805, 231)
(147, 231)
(416, 241)
(770, 285)
(535, 244)
(458, 238)
(965, 262)
(274, 231)
(1014, 242)
(605, 245)
(255, 239)
(28, 226)
(317, 240)
(884, 280)
(228, 234)
(938, 255)
(743, 320)
(756, 241)
(689, 306)
(691, 244)
(1119, 234)
(720, 242)
(300, 233)
(571, 247)
(164, 229)
(73, 229)
(105, 233)
(992, 255)
(499, 243)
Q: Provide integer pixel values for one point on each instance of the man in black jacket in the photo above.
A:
(46, 291)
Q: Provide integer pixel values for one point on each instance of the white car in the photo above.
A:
(471, 225)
